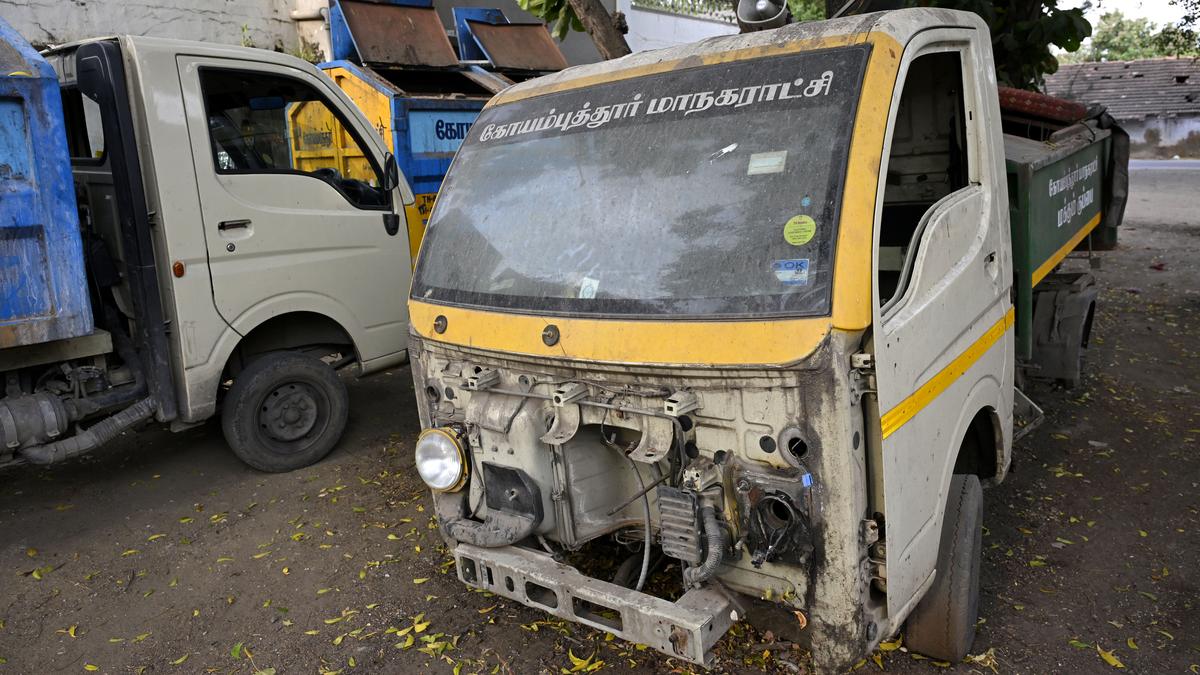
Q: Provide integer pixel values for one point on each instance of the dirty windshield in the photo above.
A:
(712, 190)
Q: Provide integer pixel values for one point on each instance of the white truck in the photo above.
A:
(212, 256)
(750, 314)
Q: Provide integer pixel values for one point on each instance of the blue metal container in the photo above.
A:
(43, 283)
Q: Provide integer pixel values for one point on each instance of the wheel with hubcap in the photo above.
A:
(285, 411)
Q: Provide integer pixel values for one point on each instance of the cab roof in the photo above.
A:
(149, 46)
(901, 25)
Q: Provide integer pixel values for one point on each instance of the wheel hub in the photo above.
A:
(289, 412)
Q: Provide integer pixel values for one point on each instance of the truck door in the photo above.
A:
(942, 314)
(293, 219)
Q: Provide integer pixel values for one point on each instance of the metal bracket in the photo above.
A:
(862, 361)
(568, 394)
(565, 426)
(870, 532)
(483, 380)
(1026, 415)
(862, 375)
(658, 434)
(681, 403)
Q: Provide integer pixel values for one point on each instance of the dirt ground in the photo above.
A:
(163, 554)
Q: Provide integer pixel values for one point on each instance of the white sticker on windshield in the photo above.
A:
(767, 162)
(587, 288)
(791, 272)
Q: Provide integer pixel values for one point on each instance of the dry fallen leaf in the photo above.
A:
(1109, 657)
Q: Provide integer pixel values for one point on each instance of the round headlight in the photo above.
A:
(441, 460)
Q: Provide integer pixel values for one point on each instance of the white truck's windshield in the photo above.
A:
(712, 190)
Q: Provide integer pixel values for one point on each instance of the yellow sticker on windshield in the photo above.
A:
(799, 230)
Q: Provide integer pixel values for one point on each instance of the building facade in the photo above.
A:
(1156, 100)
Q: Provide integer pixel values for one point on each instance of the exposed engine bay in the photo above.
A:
(532, 463)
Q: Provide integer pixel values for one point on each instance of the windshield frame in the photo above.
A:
(838, 175)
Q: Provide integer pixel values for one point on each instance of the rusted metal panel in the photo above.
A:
(395, 35)
(518, 46)
(493, 82)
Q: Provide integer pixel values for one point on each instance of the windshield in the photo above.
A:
(712, 190)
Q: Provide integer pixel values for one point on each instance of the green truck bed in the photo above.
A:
(1057, 190)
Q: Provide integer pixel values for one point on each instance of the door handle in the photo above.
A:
(233, 224)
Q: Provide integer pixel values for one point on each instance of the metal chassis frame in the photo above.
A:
(686, 629)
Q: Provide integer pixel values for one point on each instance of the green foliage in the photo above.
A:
(1121, 38)
(807, 10)
(557, 14)
(1023, 32)
(1184, 38)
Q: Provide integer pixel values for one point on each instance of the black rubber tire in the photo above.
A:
(942, 626)
(309, 382)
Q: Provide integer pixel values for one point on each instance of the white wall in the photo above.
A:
(1168, 136)
(267, 23)
(649, 29)
(45, 22)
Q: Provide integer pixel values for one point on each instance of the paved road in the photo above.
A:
(163, 552)
(1159, 164)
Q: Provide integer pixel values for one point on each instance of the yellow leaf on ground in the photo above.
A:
(1132, 644)
(179, 660)
(891, 646)
(1109, 658)
(89, 666)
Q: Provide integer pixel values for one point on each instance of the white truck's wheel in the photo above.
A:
(285, 411)
(942, 625)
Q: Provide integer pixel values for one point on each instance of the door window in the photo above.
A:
(928, 160)
(264, 123)
(85, 133)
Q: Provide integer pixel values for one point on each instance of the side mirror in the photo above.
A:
(391, 173)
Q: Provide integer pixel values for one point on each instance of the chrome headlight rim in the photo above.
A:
(454, 438)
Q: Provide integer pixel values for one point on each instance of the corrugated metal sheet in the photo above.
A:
(1132, 89)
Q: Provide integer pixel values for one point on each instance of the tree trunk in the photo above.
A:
(599, 24)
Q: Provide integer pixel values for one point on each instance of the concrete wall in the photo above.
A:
(1164, 136)
(649, 29)
(268, 23)
(43, 22)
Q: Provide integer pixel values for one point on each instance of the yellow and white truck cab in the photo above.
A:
(742, 309)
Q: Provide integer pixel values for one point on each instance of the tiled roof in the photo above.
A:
(1132, 89)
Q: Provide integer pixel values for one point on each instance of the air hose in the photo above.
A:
(717, 540)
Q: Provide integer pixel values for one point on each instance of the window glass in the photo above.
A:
(262, 123)
(85, 133)
(708, 191)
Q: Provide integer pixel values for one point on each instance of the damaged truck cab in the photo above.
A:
(741, 309)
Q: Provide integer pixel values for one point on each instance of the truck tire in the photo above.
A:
(942, 625)
(285, 411)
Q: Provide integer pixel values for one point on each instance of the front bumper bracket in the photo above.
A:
(686, 629)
